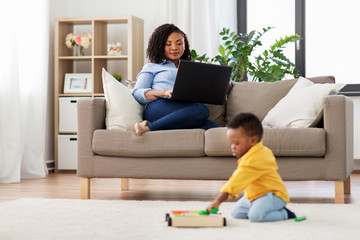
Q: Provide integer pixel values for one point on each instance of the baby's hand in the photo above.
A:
(213, 205)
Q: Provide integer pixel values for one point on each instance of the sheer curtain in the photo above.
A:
(201, 20)
(24, 48)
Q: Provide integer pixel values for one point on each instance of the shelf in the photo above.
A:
(128, 30)
(75, 58)
(111, 57)
(75, 94)
(90, 57)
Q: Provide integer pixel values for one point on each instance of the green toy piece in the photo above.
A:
(299, 219)
(213, 210)
(202, 212)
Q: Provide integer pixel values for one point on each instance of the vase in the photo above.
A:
(80, 51)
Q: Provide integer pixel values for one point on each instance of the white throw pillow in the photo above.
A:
(302, 107)
(122, 110)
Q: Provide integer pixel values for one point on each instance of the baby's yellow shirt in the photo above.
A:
(257, 175)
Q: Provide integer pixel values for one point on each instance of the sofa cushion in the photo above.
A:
(322, 79)
(260, 97)
(285, 142)
(216, 142)
(256, 97)
(296, 142)
(217, 114)
(302, 107)
(122, 110)
(169, 143)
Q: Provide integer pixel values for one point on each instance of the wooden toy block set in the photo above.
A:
(195, 219)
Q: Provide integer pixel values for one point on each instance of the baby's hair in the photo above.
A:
(249, 122)
(155, 50)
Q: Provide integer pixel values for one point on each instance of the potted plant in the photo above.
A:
(271, 65)
(117, 76)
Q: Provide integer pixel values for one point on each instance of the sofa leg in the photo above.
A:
(347, 186)
(124, 184)
(85, 188)
(339, 191)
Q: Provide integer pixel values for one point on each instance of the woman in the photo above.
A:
(167, 45)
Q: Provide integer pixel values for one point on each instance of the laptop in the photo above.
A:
(200, 82)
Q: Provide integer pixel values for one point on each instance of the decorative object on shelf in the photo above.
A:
(81, 41)
(130, 84)
(114, 49)
(78, 83)
(117, 76)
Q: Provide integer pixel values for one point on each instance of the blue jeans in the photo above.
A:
(267, 208)
(164, 114)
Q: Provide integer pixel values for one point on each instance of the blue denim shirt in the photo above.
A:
(154, 76)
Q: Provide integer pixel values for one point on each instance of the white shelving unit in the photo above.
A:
(129, 30)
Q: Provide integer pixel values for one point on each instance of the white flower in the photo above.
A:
(84, 40)
(70, 40)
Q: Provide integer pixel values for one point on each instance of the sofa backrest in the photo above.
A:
(260, 97)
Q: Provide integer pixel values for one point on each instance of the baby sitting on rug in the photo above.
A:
(265, 195)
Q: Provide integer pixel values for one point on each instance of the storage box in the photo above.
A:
(67, 152)
(194, 219)
(68, 114)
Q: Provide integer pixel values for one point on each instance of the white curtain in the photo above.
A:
(201, 20)
(24, 50)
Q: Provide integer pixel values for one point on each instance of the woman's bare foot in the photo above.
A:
(141, 128)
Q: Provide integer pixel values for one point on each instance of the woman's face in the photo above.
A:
(174, 47)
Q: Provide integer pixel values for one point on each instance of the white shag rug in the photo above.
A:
(69, 219)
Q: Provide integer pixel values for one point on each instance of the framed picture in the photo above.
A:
(78, 83)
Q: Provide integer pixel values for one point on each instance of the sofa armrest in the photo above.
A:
(91, 116)
(339, 127)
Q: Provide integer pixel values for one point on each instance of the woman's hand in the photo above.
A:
(150, 95)
(167, 93)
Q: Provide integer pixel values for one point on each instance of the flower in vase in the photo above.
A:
(85, 40)
(80, 40)
(70, 40)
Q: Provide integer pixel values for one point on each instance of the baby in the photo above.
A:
(265, 196)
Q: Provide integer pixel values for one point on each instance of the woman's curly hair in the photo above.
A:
(157, 41)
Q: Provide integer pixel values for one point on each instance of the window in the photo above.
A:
(286, 16)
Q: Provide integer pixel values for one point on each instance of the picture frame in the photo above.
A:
(78, 83)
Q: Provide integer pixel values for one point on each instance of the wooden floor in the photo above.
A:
(67, 185)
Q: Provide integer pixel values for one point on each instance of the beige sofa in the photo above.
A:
(324, 152)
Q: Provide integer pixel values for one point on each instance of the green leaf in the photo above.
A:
(238, 49)
(221, 50)
(266, 53)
